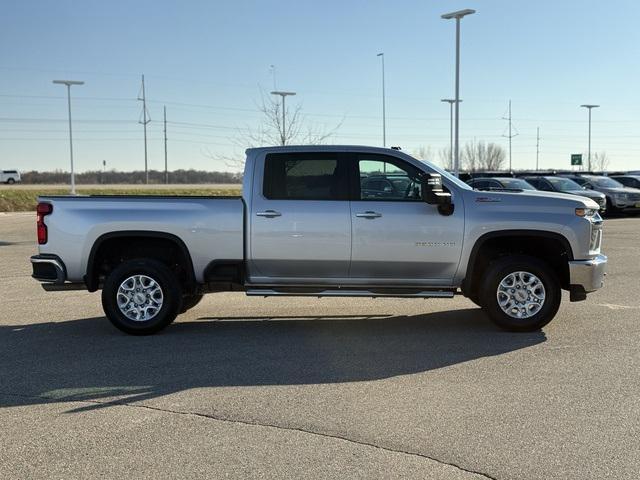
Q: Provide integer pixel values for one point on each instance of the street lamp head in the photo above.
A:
(450, 100)
(589, 106)
(458, 14)
(68, 82)
(282, 94)
(381, 54)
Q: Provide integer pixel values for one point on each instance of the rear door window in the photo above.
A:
(306, 176)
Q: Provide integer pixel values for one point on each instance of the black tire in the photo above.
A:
(500, 269)
(163, 276)
(611, 210)
(11, 181)
(475, 299)
(190, 301)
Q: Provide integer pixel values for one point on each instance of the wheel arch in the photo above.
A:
(533, 242)
(133, 238)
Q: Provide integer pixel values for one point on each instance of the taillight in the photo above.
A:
(42, 210)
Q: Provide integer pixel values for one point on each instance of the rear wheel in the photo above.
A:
(141, 296)
(11, 181)
(520, 293)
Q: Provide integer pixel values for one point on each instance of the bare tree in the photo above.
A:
(444, 155)
(272, 131)
(482, 156)
(422, 153)
(599, 161)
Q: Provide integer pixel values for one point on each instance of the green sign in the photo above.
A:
(576, 159)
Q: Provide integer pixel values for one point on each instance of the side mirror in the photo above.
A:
(434, 194)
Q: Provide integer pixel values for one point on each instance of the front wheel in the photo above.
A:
(521, 293)
(11, 181)
(190, 301)
(141, 296)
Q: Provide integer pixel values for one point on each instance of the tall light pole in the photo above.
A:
(283, 136)
(68, 83)
(450, 101)
(448, 16)
(589, 107)
(384, 111)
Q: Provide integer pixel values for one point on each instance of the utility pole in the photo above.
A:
(457, 16)
(69, 83)
(538, 149)
(384, 112)
(450, 101)
(283, 133)
(145, 119)
(511, 135)
(272, 68)
(166, 172)
(589, 107)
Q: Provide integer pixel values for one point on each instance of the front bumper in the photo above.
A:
(588, 275)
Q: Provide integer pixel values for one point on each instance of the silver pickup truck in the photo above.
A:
(325, 221)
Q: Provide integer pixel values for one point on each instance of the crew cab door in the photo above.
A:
(299, 219)
(397, 237)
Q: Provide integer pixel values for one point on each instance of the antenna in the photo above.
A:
(511, 135)
(144, 119)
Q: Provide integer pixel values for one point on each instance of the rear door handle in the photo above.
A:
(368, 214)
(269, 214)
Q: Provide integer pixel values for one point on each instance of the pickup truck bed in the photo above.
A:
(208, 227)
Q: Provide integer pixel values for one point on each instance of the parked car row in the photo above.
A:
(617, 193)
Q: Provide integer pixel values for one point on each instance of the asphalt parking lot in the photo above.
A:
(332, 388)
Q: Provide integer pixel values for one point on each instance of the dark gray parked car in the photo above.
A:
(619, 197)
(629, 180)
(499, 183)
(566, 185)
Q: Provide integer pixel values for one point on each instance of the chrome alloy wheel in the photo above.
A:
(521, 294)
(139, 298)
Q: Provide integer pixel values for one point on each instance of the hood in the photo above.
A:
(532, 200)
(623, 190)
(587, 193)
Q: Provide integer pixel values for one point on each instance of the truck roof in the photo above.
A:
(319, 148)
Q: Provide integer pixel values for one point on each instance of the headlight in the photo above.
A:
(586, 212)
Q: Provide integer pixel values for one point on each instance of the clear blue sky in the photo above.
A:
(207, 60)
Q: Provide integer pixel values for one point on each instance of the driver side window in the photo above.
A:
(386, 178)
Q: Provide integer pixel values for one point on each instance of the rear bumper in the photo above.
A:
(48, 268)
(588, 275)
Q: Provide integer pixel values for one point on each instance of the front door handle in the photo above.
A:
(369, 214)
(269, 214)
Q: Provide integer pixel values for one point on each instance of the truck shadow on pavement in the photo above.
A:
(88, 360)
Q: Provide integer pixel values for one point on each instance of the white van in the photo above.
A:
(9, 176)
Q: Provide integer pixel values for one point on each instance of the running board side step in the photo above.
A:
(344, 292)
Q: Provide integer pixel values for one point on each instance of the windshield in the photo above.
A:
(564, 184)
(516, 184)
(604, 182)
